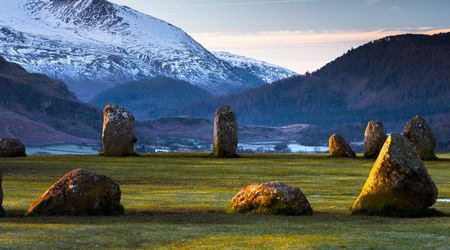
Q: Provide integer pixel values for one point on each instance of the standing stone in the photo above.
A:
(11, 148)
(225, 133)
(374, 138)
(79, 192)
(2, 212)
(271, 198)
(421, 136)
(339, 147)
(398, 182)
(119, 134)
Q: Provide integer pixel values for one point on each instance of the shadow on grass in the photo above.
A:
(391, 212)
(440, 160)
(205, 155)
(215, 217)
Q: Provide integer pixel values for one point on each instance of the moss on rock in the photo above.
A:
(271, 198)
(225, 138)
(398, 181)
(339, 147)
(79, 192)
(374, 138)
(118, 136)
(422, 138)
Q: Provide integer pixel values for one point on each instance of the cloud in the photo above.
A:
(394, 8)
(374, 1)
(293, 38)
(298, 50)
(242, 3)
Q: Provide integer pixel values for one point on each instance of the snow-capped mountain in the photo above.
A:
(266, 71)
(94, 45)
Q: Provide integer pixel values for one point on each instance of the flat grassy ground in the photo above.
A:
(177, 201)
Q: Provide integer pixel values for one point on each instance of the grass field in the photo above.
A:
(177, 201)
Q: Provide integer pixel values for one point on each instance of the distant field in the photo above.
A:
(177, 201)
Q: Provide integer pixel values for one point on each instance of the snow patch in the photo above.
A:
(108, 44)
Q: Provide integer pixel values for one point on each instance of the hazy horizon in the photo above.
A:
(301, 35)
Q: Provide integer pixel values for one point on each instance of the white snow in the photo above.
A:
(266, 71)
(77, 42)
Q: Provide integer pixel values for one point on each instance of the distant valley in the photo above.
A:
(173, 85)
(391, 79)
(152, 98)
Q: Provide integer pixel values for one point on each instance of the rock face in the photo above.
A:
(339, 147)
(11, 148)
(421, 137)
(119, 134)
(374, 138)
(271, 198)
(2, 212)
(79, 192)
(398, 181)
(225, 133)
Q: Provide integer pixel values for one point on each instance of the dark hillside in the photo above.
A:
(391, 79)
(37, 101)
(150, 99)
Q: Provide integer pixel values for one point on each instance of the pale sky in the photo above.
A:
(302, 35)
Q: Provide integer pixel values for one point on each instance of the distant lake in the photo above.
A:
(256, 147)
(291, 147)
(65, 149)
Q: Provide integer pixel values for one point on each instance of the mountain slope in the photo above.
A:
(390, 79)
(267, 72)
(149, 99)
(95, 45)
(38, 109)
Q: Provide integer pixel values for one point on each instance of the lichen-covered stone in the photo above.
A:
(273, 198)
(422, 138)
(398, 181)
(225, 138)
(79, 192)
(119, 134)
(374, 138)
(11, 148)
(2, 212)
(339, 147)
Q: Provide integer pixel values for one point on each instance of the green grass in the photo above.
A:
(177, 201)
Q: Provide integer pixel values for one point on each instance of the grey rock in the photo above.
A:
(225, 138)
(11, 148)
(119, 135)
(374, 138)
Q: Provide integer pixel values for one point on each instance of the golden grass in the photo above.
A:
(177, 201)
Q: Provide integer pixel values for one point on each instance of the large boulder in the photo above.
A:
(11, 148)
(422, 138)
(398, 183)
(271, 198)
(374, 138)
(339, 147)
(79, 192)
(119, 135)
(225, 138)
(2, 212)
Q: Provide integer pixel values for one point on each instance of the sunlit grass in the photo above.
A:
(182, 201)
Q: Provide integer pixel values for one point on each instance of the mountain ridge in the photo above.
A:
(95, 45)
